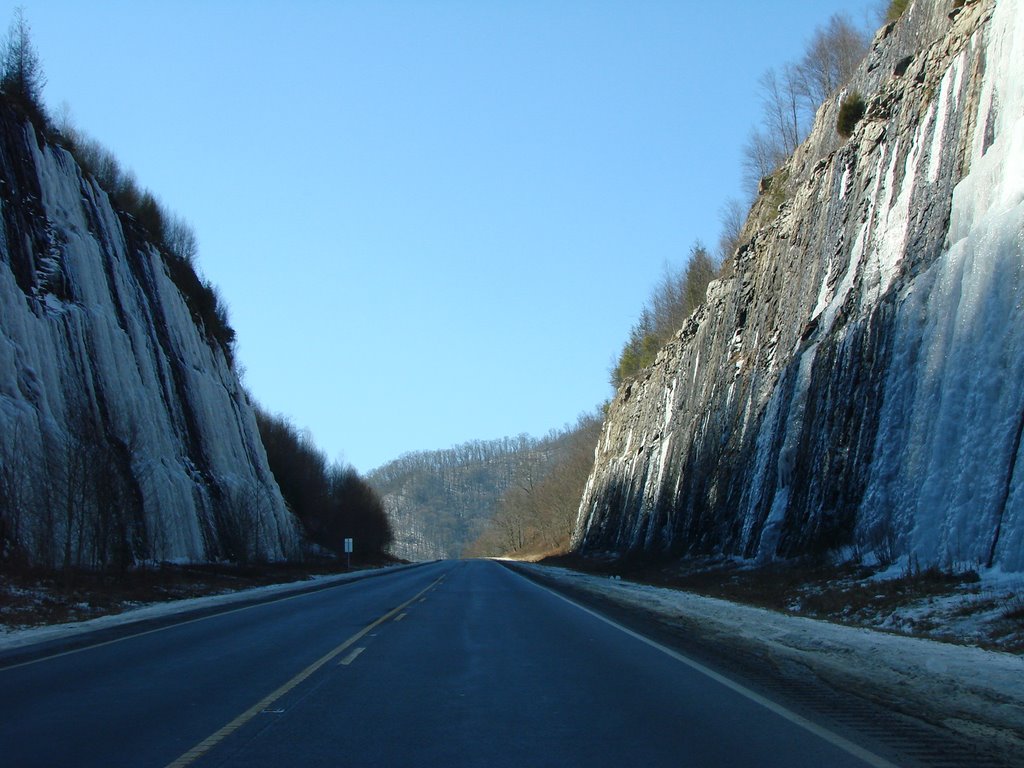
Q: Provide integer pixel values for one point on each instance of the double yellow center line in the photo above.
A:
(210, 742)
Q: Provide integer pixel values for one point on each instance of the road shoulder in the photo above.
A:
(931, 702)
(24, 645)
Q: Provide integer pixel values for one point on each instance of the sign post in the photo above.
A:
(348, 554)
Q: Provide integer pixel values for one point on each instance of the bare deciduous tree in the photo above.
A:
(783, 116)
(762, 154)
(538, 512)
(18, 484)
(181, 238)
(331, 501)
(731, 217)
(831, 58)
(791, 96)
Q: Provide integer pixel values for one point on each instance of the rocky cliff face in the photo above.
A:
(124, 432)
(857, 383)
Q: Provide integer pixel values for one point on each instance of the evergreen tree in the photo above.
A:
(22, 77)
(674, 299)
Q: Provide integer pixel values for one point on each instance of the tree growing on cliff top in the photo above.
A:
(830, 60)
(674, 298)
(790, 96)
(22, 78)
(895, 10)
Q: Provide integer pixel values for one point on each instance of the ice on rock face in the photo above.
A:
(888, 411)
(102, 352)
(955, 399)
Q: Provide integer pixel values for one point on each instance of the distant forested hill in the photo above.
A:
(441, 502)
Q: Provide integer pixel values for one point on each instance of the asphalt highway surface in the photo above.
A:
(456, 663)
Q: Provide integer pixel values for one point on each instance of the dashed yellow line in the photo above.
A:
(210, 742)
(351, 657)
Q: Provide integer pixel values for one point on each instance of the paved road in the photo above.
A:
(450, 664)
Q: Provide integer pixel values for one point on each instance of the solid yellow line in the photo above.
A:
(210, 742)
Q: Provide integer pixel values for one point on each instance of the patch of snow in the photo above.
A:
(950, 82)
(844, 182)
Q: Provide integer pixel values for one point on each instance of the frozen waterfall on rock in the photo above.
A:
(857, 385)
(124, 432)
(948, 444)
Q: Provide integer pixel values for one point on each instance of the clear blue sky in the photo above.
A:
(433, 221)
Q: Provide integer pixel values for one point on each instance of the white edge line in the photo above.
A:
(824, 733)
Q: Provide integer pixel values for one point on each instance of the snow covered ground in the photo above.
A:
(975, 692)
